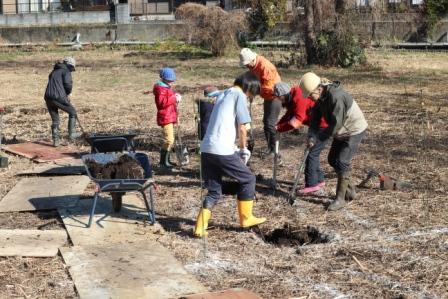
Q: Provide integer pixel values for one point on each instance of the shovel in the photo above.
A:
(251, 141)
(3, 160)
(84, 134)
(181, 151)
(300, 168)
(275, 170)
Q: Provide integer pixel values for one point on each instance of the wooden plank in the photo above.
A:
(74, 167)
(44, 193)
(128, 270)
(35, 243)
(128, 225)
(42, 151)
(141, 269)
(227, 294)
(118, 257)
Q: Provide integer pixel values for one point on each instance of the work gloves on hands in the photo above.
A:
(178, 98)
(244, 154)
(310, 142)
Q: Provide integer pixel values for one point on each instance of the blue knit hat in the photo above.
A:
(167, 74)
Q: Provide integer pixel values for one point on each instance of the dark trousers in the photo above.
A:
(342, 152)
(271, 111)
(145, 162)
(313, 174)
(53, 109)
(205, 111)
(215, 167)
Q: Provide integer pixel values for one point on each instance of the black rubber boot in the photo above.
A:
(72, 135)
(164, 159)
(169, 159)
(341, 190)
(55, 135)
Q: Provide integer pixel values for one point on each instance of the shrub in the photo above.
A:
(211, 27)
(340, 48)
(434, 10)
(263, 15)
(329, 35)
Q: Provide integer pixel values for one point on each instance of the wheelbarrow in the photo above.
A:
(106, 148)
(122, 186)
(103, 143)
(111, 143)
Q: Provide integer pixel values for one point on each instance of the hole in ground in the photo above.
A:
(296, 236)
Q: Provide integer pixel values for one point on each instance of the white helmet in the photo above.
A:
(247, 56)
(308, 83)
(69, 61)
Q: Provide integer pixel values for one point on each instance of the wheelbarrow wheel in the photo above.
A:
(117, 201)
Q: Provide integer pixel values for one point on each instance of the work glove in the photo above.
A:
(244, 155)
(178, 98)
(310, 142)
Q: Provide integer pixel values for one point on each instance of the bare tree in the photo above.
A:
(310, 35)
(318, 15)
(329, 35)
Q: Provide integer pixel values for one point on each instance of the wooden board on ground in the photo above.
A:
(42, 151)
(227, 294)
(141, 269)
(129, 225)
(44, 193)
(35, 243)
(69, 167)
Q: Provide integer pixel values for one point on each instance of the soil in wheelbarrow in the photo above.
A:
(125, 167)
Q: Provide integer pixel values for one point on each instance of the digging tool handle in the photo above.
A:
(300, 168)
(80, 126)
(178, 130)
(251, 143)
(274, 173)
(1, 124)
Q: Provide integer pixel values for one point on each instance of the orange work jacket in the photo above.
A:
(267, 73)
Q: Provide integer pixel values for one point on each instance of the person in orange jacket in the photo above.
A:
(268, 76)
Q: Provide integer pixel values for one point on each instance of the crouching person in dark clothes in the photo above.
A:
(218, 155)
(57, 94)
(346, 124)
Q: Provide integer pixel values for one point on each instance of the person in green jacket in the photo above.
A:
(346, 124)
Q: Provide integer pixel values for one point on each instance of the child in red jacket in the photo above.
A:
(166, 100)
(298, 113)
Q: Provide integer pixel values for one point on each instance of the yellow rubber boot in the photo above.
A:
(200, 229)
(246, 217)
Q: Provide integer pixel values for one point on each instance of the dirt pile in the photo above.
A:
(125, 167)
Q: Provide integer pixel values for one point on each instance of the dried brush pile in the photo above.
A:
(211, 27)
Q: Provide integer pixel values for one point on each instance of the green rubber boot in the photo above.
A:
(72, 134)
(341, 190)
(55, 135)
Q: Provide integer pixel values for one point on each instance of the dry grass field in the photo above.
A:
(386, 244)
